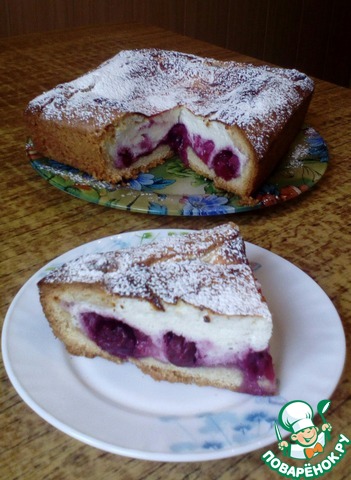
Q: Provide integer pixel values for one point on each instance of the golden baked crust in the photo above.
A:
(261, 107)
(197, 286)
(176, 268)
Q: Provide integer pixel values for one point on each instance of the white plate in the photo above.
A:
(120, 410)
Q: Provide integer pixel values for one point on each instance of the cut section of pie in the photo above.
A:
(184, 309)
(230, 122)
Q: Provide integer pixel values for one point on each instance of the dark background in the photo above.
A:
(311, 35)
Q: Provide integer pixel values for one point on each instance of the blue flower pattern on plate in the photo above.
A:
(227, 429)
(146, 182)
(206, 205)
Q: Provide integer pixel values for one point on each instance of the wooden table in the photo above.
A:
(40, 222)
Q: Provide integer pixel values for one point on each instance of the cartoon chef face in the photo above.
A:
(306, 437)
(296, 417)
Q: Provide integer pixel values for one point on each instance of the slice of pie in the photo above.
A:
(230, 122)
(184, 309)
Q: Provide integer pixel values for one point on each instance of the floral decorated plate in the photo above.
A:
(173, 189)
(118, 409)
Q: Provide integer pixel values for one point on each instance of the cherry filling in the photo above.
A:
(178, 140)
(125, 157)
(226, 165)
(257, 365)
(203, 148)
(225, 162)
(179, 351)
(121, 340)
(113, 336)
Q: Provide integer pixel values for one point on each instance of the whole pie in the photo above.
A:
(230, 122)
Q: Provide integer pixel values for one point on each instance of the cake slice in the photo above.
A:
(184, 309)
(230, 122)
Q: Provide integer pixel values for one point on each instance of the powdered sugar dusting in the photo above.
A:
(208, 269)
(153, 81)
(222, 289)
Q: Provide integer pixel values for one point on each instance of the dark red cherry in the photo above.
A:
(203, 148)
(259, 364)
(179, 351)
(125, 156)
(178, 140)
(226, 165)
(113, 336)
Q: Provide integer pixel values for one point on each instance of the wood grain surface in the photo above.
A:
(39, 222)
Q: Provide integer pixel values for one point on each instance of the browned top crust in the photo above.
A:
(151, 81)
(207, 268)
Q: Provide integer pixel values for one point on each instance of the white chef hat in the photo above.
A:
(295, 416)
